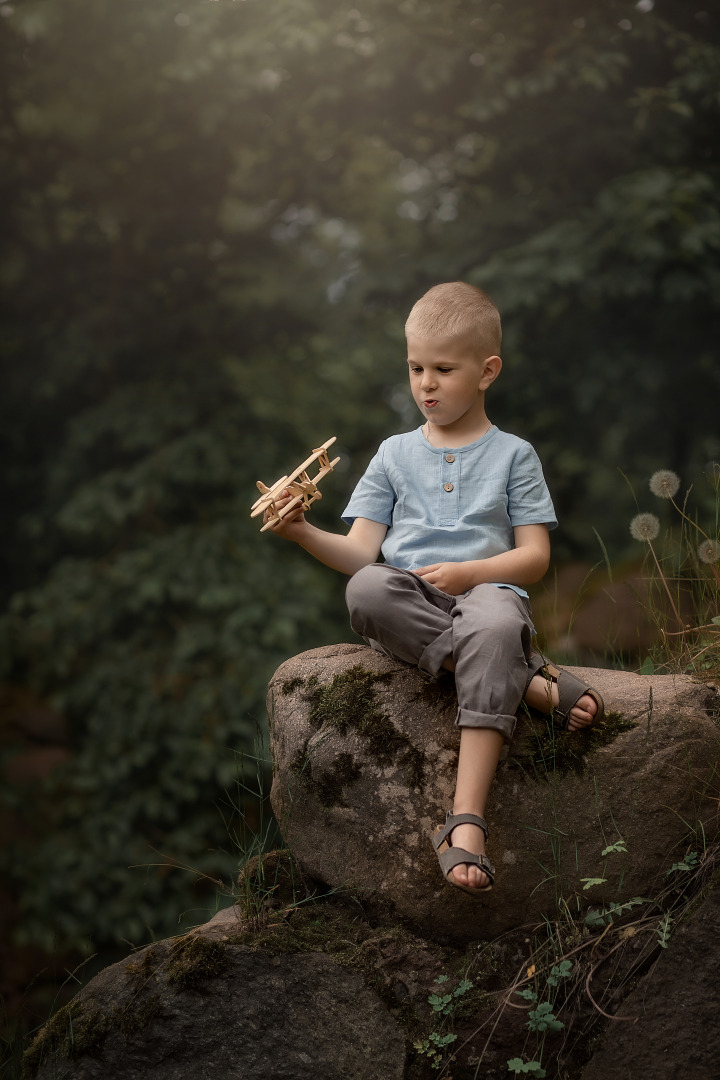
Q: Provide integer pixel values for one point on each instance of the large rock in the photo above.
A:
(674, 1029)
(365, 750)
(213, 1004)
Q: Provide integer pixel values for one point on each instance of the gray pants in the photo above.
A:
(487, 632)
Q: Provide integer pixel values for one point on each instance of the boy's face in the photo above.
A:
(448, 379)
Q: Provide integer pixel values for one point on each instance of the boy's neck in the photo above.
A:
(458, 434)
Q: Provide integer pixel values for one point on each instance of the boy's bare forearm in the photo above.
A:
(522, 565)
(346, 553)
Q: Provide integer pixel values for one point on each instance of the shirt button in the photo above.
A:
(448, 487)
(450, 458)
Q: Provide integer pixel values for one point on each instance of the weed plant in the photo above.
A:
(682, 567)
(577, 973)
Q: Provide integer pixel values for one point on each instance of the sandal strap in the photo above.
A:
(536, 666)
(570, 688)
(455, 856)
(452, 821)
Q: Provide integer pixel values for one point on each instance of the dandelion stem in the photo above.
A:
(664, 581)
(690, 520)
(692, 630)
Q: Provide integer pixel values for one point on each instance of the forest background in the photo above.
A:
(216, 216)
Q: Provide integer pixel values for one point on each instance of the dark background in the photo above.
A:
(215, 218)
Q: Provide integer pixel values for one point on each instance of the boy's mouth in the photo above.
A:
(430, 403)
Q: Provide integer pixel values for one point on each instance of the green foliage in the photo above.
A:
(611, 912)
(445, 1006)
(435, 1047)
(682, 566)
(445, 1003)
(664, 931)
(689, 863)
(619, 847)
(559, 971)
(543, 1019)
(591, 881)
(518, 1066)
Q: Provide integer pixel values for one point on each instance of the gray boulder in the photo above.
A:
(215, 1004)
(364, 752)
(670, 1026)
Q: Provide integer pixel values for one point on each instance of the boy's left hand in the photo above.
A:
(451, 578)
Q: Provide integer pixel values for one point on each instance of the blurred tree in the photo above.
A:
(215, 221)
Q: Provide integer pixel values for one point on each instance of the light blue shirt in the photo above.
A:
(451, 504)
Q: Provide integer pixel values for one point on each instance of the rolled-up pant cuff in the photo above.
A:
(502, 723)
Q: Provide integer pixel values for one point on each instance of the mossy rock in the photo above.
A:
(365, 754)
(230, 1000)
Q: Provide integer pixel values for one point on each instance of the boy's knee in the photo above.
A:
(365, 591)
(499, 617)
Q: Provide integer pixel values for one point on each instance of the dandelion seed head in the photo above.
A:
(644, 527)
(664, 483)
(709, 551)
(713, 470)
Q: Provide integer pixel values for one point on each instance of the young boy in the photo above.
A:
(461, 513)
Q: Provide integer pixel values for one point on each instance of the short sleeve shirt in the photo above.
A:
(452, 504)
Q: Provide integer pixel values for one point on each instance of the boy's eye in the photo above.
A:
(444, 370)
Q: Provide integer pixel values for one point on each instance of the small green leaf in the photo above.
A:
(590, 881)
(689, 863)
(543, 1019)
(439, 1003)
(559, 971)
(595, 919)
(614, 849)
(663, 938)
(441, 1041)
(534, 1068)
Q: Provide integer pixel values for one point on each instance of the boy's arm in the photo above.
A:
(347, 553)
(524, 565)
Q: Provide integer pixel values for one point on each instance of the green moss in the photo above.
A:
(135, 1015)
(144, 969)
(73, 1031)
(310, 928)
(195, 959)
(330, 785)
(70, 1032)
(327, 786)
(547, 750)
(270, 879)
(350, 703)
(290, 685)
(329, 926)
(440, 695)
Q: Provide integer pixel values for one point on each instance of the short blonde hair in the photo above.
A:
(455, 309)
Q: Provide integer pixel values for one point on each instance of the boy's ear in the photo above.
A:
(490, 371)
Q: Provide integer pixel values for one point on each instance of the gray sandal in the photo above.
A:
(449, 856)
(570, 690)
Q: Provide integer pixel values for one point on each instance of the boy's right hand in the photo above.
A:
(284, 526)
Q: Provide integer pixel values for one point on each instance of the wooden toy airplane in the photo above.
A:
(303, 489)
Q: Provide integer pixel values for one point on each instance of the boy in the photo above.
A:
(461, 513)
